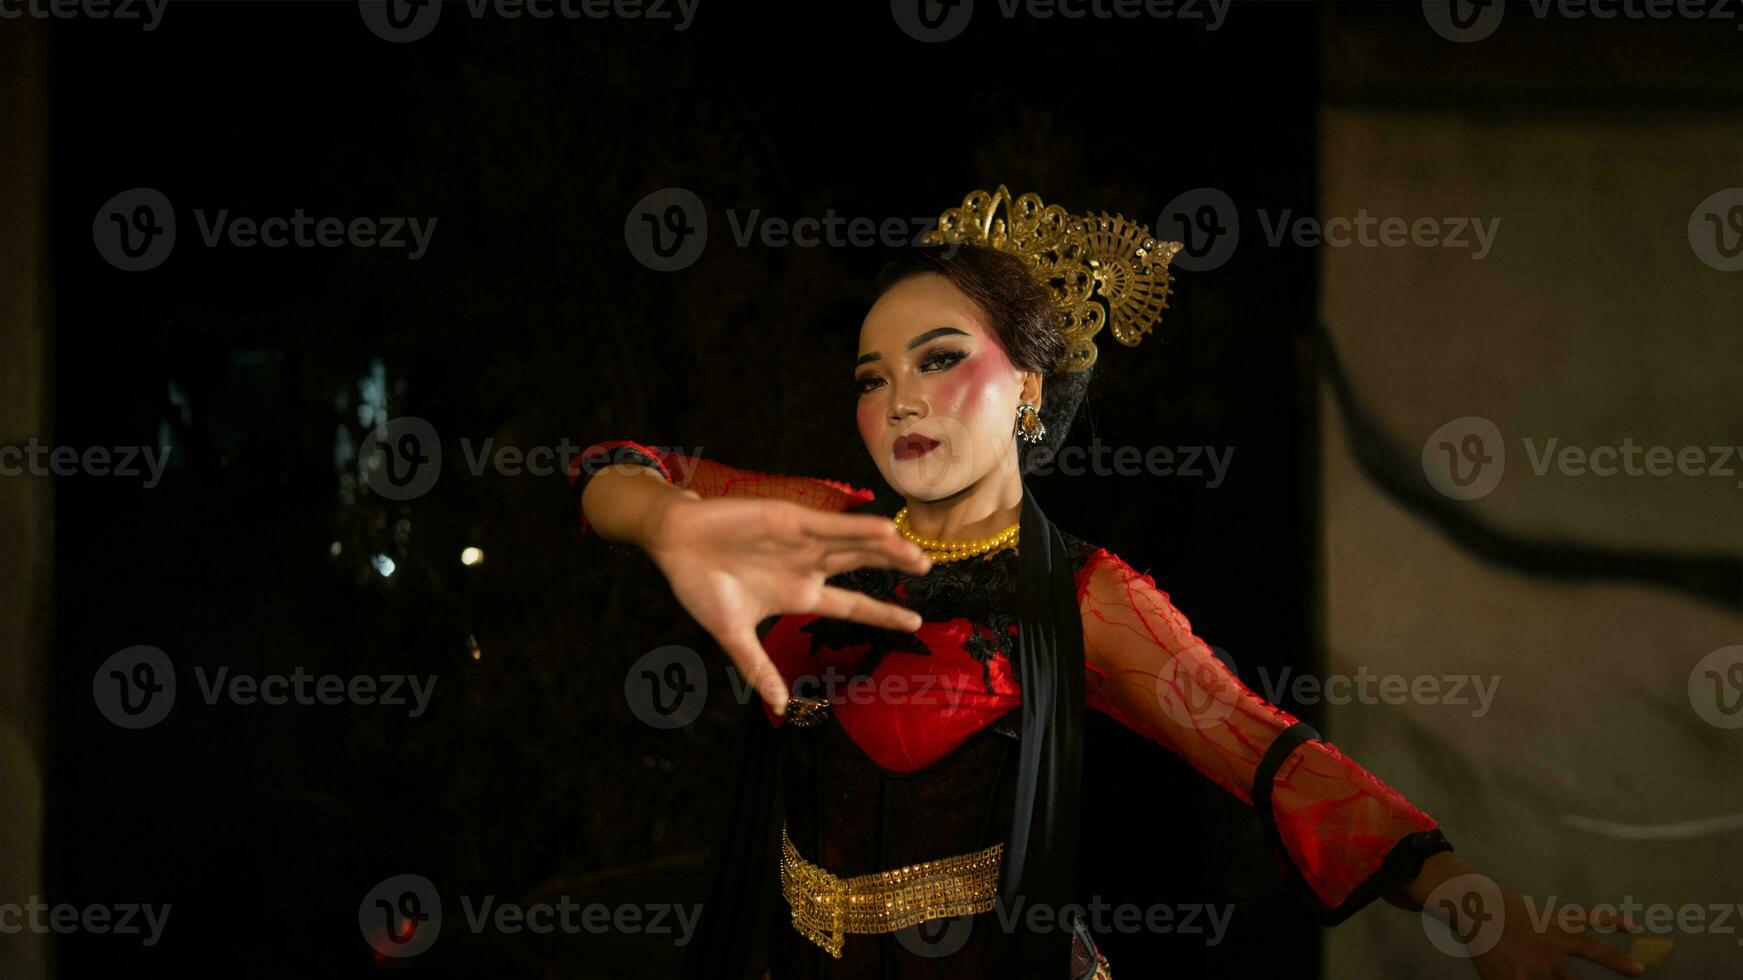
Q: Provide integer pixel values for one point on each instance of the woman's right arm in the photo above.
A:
(625, 502)
(705, 477)
(735, 559)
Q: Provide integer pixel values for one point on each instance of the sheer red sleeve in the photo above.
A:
(1345, 835)
(712, 479)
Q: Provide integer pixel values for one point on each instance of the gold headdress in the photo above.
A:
(1099, 268)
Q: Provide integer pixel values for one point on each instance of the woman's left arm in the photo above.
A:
(1349, 836)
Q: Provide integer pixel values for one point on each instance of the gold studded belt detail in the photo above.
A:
(826, 907)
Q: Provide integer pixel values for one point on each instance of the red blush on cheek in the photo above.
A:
(963, 391)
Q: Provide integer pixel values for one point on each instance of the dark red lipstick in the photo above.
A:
(913, 445)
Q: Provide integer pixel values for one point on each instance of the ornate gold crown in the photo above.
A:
(1100, 268)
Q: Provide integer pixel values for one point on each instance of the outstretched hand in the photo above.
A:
(734, 562)
(1530, 950)
(1504, 936)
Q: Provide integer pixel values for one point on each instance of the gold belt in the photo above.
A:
(825, 907)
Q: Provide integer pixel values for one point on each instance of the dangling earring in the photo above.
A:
(1030, 428)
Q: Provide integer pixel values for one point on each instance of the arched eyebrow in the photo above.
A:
(917, 341)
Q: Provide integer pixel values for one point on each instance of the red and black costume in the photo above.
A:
(920, 758)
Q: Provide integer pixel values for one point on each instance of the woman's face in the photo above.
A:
(937, 395)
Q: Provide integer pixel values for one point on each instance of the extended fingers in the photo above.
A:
(870, 539)
(747, 652)
(859, 529)
(1605, 955)
(1589, 947)
(843, 559)
(837, 603)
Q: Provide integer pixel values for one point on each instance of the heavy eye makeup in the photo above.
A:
(937, 359)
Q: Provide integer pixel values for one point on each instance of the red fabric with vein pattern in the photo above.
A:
(712, 479)
(1148, 670)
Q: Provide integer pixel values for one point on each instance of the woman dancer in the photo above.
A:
(924, 676)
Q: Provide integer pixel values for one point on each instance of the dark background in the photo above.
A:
(530, 322)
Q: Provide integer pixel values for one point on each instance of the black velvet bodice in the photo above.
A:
(845, 813)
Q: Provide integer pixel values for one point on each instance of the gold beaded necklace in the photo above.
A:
(945, 551)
